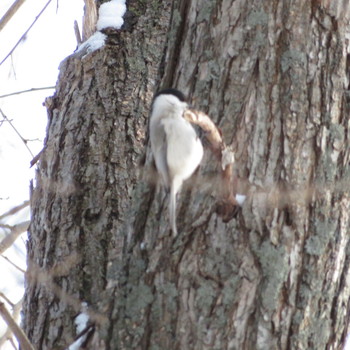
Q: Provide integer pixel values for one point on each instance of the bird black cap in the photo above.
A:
(171, 91)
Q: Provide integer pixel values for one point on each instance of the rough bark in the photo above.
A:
(87, 171)
(274, 77)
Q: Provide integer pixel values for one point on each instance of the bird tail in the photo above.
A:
(175, 186)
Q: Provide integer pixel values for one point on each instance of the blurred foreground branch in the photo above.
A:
(15, 210)
(10, 12)
(15, 232)
(17, 331)
(46, 279)
(16, 309)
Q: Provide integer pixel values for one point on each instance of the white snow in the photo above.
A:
(95, 41)
(76, 345)
(82, 319)
(240, 198)
(111, 14)
(81, 322)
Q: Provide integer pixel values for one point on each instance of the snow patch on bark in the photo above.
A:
(111, 14)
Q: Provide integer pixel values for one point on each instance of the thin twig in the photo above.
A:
(36, 158)
(25, 33)
(16, 131)
(15, 210)
(13, 264)
(10, 12)
(2, 295)
(25, 91)
(17, 331)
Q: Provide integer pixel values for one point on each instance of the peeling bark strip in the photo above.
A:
(90, 18)
(227, 205)
(212, 133)
(273, 75)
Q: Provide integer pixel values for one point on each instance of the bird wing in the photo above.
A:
(159, 150)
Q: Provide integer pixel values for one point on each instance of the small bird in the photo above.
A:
(176, 147)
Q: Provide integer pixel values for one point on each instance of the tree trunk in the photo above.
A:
(274, 77)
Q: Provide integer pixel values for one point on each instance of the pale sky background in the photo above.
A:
(33, 64)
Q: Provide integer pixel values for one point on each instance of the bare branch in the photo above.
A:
(10, 12)
(15, 210)
(29, 90)
(16, 231)
(17, 331)
(15, 314)
(36, 158)
(25, 33)
(17, 132)
(2, 295)
(13, 264)
(13, 343)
